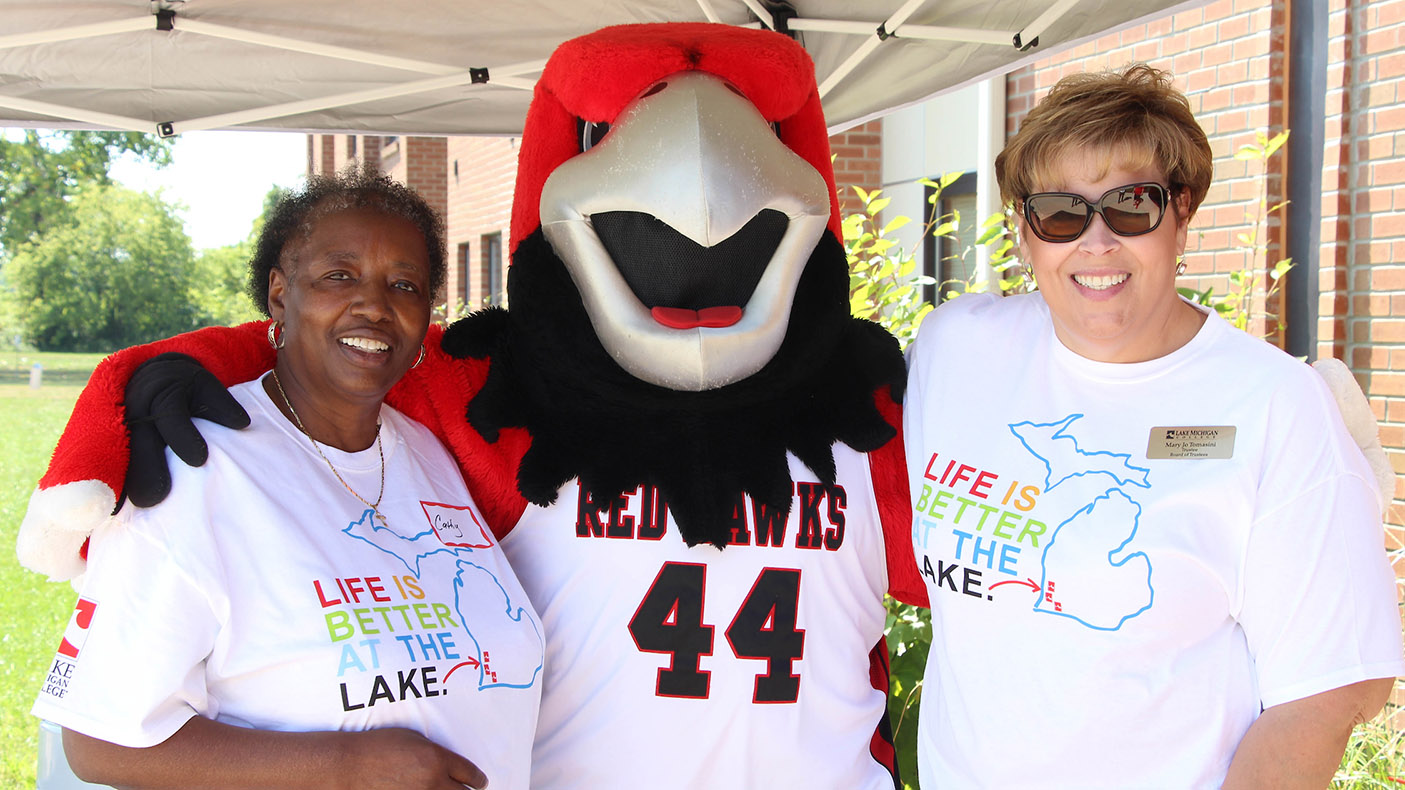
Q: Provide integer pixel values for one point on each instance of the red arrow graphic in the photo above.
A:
(472, 662)
(1027, 582)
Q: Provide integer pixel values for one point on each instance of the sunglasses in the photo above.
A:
(1129, 210)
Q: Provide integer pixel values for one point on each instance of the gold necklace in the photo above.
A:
(374, 506)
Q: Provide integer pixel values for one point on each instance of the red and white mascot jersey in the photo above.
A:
(684, 443)
(675, 666)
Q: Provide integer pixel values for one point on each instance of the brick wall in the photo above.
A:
(1364, 211)
(1341, 296)
(327, 161)
(481, 173)
(858, 160)
(370, 148)
(419, 163)
(328, 153)
(426, 170)
(333, 151)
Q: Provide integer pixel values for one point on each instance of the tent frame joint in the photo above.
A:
(478, 76)
(782, 11)
(165, 20)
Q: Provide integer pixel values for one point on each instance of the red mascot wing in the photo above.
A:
(79, 490)
(888, 466)
(436, 394)
(89, 465)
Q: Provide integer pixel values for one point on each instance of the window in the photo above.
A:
(389, 153)
(351, 146)
(463, 290)
(950, 259)
(492, 269)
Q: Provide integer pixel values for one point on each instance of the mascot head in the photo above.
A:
(679, 311)
(682, 173)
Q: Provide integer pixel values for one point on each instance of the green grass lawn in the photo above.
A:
(61, 369)
(32, 609)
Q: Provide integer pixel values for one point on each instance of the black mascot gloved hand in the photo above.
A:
(477, 334)
(163, 397)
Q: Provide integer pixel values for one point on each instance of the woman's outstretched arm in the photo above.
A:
(208, 754)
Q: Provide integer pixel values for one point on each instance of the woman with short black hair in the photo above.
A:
(317, 605)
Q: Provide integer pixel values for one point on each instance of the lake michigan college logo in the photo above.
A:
(66, 660)
(76, 634)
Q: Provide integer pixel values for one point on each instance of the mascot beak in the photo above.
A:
(685, 229)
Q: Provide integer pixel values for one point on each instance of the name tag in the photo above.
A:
(1190, 442)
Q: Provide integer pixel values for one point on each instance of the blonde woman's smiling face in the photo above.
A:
(1112, 298)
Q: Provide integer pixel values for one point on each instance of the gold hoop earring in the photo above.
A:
(419, 358)
(275, 340)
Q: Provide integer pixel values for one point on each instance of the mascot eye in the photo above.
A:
(591, 133)
(775, 125)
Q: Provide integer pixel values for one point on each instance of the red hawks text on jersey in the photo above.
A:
(673, 666)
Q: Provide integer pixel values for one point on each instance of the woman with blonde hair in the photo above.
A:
(1154, 554)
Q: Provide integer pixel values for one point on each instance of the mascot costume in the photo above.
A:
(683, 441)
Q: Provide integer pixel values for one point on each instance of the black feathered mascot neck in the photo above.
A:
(664, 329)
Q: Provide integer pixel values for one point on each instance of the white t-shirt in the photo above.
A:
(1126, 561)
(676, 667)
(261, 593)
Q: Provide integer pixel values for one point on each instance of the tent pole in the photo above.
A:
(1026, 38)
(923, 32)
(761, 13)
(709, 11)
(74, 114)
(141, 23)
(990, 140)
(343, 99)
(865, 49)
(938, 33)
(325, 50)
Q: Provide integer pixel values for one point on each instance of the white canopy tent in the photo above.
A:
(455, 67)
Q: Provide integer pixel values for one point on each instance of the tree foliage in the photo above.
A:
(222, 274)
(219, 278)
(41, 172)
(116, 269)
(884, 284)
(1244, 294)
